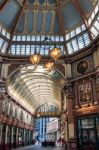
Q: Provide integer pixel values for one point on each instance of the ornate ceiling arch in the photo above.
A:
(34, 86)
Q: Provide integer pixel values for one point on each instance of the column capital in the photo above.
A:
(68, 87)
(69, 96)
(2, 97)
(97, 70)
(69, 91)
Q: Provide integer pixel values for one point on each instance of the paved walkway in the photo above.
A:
(38, 147)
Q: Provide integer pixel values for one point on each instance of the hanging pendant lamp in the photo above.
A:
(55, 53)
(49, 66)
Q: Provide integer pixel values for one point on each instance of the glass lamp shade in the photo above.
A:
(38, 115)
(35, 59)
(49, 66)
(55, 53)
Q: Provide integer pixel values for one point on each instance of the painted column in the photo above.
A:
(71, 137)
(8, 107)
(96, 66)
(67, 70)
(98, 56)
(68, 74)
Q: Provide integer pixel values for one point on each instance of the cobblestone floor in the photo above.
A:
(38, 147)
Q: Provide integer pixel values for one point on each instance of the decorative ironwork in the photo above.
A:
(84, 91)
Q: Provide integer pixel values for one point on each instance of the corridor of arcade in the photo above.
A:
(49, 74)
(38, 147)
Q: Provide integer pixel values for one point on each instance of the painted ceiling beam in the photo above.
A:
(49, 115)
(38, 43)
(3, 5)
(81, 10)
(15, 25)
(83, 15)
(32, 7)
(20, 3)
(61, 22)
(94, 1)
(4, 38)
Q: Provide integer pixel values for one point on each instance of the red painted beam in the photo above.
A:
(3, 5)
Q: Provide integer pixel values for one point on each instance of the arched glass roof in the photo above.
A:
(34, 86)
(71, 24)
(47, 108)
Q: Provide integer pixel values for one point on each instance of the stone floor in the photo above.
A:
(38, 147)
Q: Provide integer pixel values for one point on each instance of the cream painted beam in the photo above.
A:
(96, 58)
(4, 70)
(20, 2)
(68, 72)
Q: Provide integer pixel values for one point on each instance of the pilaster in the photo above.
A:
(71, 139)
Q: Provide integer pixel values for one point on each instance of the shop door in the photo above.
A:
(89, 139)
(3, 137)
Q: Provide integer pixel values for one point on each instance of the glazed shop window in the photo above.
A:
(84, 91)
(87, 123)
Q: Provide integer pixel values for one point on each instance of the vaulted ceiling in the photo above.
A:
(34, 86)
(30, 21)
(44, 16)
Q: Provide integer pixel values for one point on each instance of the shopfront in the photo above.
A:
(88, 132)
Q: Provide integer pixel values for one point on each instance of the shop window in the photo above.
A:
(97, 127)
(88, 132)
(9, 134)
(87, 123)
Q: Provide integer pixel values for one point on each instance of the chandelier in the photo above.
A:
(49, 66)
(35, 58)
(54, 53)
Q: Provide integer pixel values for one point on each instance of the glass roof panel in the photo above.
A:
(24, 42)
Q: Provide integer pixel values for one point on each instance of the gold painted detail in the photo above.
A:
(87, 110)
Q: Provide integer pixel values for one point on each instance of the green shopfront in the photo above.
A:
(88, 132)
